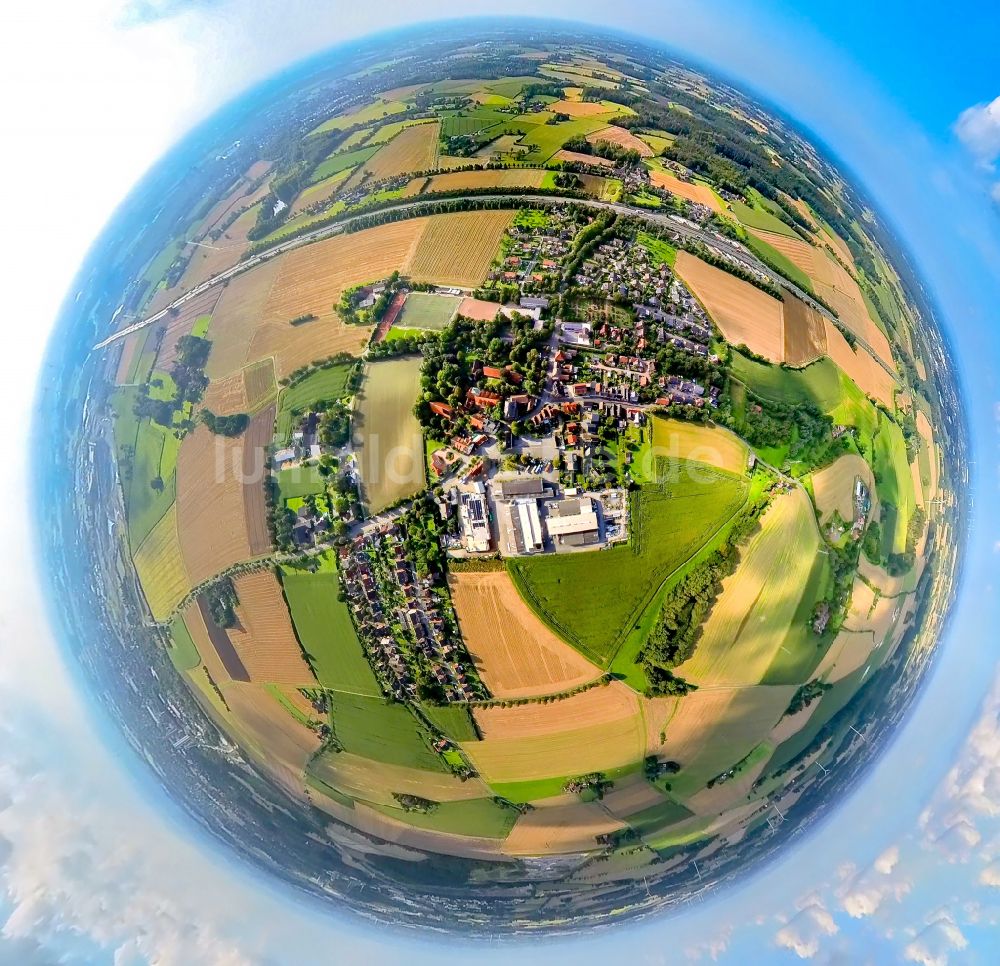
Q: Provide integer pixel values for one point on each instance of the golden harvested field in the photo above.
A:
(256, 307)
(756, 606)
(388, 439)
(236, 316)
(478, 309)
(227, 395)
(583, 158)
(927, 434)
(585, 108)
(630, 795)
(678, 439)
(225, 251)
(562, 828)
(211, 519)
(515, 653)
(870, 377)
(510, 178)
(259, 383)
(281, 743)
(833, 487)
(575, 751)
(457, 249)
(621, 137)
(600, 705)
(698, 193)
(256, 439)
(847, 653)
(835, 286)
(263, 637)
(805, 332)
(375, 781)
(160, 566)
(713, 729)
(745, 314)
(791, 724)
(413, 149)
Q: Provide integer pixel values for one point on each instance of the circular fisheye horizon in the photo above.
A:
(513, 476)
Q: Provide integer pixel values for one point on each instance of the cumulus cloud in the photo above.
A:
(935, 944)
(805, 932)
(978, 128)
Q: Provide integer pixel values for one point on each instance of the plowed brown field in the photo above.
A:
(263, 637)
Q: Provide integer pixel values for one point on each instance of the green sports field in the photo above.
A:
(424, 310)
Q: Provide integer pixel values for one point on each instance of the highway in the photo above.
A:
(682, 228)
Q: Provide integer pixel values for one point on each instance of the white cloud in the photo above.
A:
(934, 945)
(805, 932)
(978, 128)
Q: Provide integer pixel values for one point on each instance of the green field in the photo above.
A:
(779, 262)
(544, 140)
(893, 482)
(656, 817)
(388, 438)
(341, 162)
(802, 649)
(594, 600)
(660, 251)
(454, 721)
(183, 654)
(200, 327)
(454, 124)
(323, 385)
(759, 217)
(325, 629)
(154, 459)
(424, 310)
(478, 817)
(299, 481)
(383, 731)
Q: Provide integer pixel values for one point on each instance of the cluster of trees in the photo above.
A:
(587, 240)
(222, 601)
(190, 381)
(349, 310)
(302, 319)
(806, 694)
(679, 625)
(423, 528)
(414, 803)
(232, 425)
(622, 156)
(595, 782)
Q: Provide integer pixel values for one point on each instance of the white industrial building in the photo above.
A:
(476, 534)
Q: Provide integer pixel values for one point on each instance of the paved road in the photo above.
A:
(682, 228)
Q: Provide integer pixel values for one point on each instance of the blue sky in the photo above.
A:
(908, 869)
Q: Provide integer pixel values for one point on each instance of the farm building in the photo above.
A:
(521, 486)
(574, 522)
